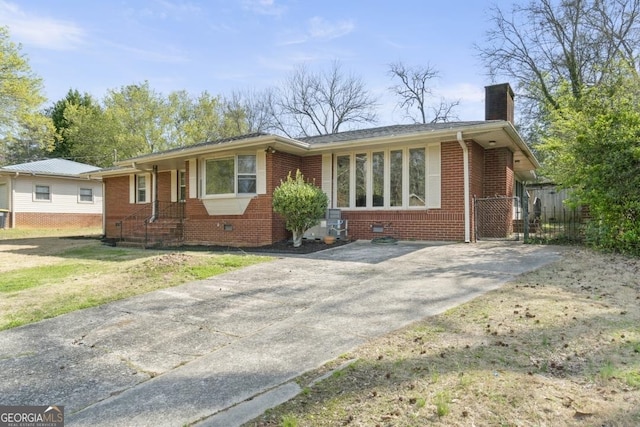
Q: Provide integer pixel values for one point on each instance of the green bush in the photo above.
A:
(301, 204)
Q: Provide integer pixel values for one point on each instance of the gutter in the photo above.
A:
(467, 208)
(274, 141)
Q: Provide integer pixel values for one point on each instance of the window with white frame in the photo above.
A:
(85, 195)
(182, 186)
(230, 175)
(141, 189)
(404, 178)
(42, 193)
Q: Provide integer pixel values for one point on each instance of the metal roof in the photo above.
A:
(61, 167)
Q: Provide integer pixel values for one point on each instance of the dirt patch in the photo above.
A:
(38, 251)
(559, 346)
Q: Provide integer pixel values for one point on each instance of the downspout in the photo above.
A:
(12, 201)
(104, 208)
(154, 194)
(467, 208)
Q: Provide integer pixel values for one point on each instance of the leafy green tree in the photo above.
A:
(593, 147)
(93, 136)
(135, 120)
(25, 132)
(142, 115)
(63, 147)
(152, 122)
(203, 118)
(301, 204)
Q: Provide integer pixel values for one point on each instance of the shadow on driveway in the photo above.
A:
(186, 354)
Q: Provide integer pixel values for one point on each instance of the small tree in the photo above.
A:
(301, 203)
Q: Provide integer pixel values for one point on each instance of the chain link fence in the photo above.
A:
(498, 218)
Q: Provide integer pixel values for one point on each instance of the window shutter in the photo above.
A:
(193, 179)
(434, 176)
(174, 185)
(261, 172)
(327, 165)
(148, 181)
(132, 189)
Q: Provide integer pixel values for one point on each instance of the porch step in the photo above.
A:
(164, 232)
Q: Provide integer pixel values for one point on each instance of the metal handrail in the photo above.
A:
(145, 215)
(137, 216)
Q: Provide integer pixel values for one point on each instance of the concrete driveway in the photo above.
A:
(219, 351)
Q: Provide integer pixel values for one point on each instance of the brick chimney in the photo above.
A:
(498, 102)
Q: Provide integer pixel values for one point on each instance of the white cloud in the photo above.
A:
(467, 92)
(319, 28)
(40, 31)
(264, 7)
(471, 98)
(170, 9)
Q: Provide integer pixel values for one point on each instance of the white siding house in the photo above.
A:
(50, 193)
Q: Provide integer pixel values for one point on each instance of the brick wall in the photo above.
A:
(491, 172)
(499, 104)
(55, 220)
(499, 181)
(311, 168)
(253, 228)
(164, 186)
(445, 224)
(258, 226)
(498, 173)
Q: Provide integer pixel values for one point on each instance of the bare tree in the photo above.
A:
(320, 103)
(251, 110)
(443, 112)
(546, 43)
(414, 92)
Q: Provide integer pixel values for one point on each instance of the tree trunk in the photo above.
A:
(297, 238)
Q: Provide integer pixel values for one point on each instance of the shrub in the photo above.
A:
(301, 204)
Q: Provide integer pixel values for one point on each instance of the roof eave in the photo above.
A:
(275, 141)
(79, 176)
(436, 135)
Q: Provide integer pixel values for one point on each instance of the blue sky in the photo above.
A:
(221, 46)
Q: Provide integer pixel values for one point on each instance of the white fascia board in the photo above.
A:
(277, 142)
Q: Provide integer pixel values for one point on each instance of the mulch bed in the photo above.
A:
(281, 247)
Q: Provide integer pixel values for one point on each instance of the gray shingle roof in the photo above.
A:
(386, 131)
(201, 144)
(52, 167)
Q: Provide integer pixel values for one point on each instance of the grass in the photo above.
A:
(559, 346)
(46, 275)
(441, 401)
(29, 233)
(289, 421)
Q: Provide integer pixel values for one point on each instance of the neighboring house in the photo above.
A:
(50, 194)
(411, 182)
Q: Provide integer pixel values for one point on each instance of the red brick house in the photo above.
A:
(411, 182)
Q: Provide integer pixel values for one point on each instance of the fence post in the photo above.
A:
(475, 218)
(525, 215)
